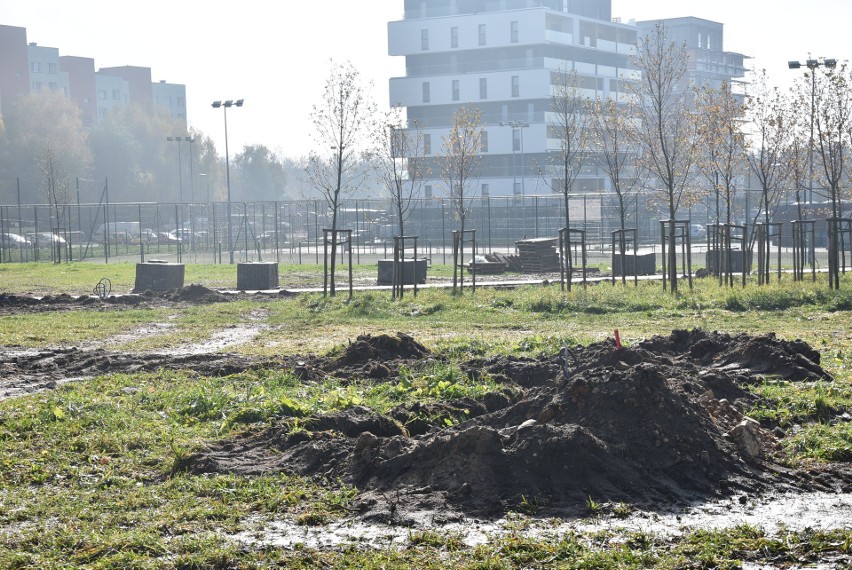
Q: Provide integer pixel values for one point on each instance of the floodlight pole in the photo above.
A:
(812, 64)
(224, 105)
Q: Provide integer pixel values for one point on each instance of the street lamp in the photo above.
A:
(812, 64)
(225, 105)
(517, 144)
(180, 166)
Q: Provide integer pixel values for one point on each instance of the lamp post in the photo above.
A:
(191, 140)
(812, 64)
(225, 105)
(180, 167)
(517, 134)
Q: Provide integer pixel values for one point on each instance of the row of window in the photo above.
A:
(53, 86)
(482, 35)
(167, 101)
(35, 67)
(517, 141)
(455, 89)
(103, 95)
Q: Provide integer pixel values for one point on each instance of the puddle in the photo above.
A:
(220, 340)
(814, 511)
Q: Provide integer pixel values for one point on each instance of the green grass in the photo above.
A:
(86, 470)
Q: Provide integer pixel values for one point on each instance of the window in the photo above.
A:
(485, 189)
(699, 40)
(456, 93)
(483, 141)
(427, 143)
(427, 191)
(516, 140)
(516, 86)
(424, 40)
(181, 102)
(513, 32)
(51, 68)
(516, 188)
(454, 37)
(483, 88)
(482, 34)
(36, 86)
(102, 94)
(426, 97)
(35, 67)
(53, 86)
(116, 95)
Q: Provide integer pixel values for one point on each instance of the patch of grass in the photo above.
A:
(823, 442)
(786, 403)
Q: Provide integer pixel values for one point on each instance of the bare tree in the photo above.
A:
(612, 130)
(769, 143)
(723, 143)
(397, 165)
(461, 162)
(832, 113)
(666, 135)
(570, 112)
(769, 155)
(342, 123)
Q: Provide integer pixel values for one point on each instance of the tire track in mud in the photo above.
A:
(28, 371)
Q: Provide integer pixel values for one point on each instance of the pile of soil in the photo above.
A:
(657, 424)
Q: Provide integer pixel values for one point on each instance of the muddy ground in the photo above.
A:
(659, 423)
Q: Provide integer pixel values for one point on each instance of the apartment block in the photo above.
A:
(504, 57)
(26, 67)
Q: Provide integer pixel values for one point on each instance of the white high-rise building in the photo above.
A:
(502, 57)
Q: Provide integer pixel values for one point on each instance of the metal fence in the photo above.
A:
(292, 231)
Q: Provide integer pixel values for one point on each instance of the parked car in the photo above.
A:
(166, 238)
(45, 239)
(8, 240)
(697, 231)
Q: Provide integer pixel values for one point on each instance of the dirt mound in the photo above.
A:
(656, 424)
(196, 294)
(763, 354)
(368, 348)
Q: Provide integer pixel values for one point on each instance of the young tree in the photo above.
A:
(396, 162)
(612, 130)
(460, 160)
(569, 109)
(832, 115)
(769, 157)
(342, 123)
(723, 144)
(666, 135)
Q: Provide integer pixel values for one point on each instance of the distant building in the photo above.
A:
(503, 57)
(30, 68)
(709, 63)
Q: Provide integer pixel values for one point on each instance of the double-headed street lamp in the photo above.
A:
(225, 105)
(189, 140)
(812, 64)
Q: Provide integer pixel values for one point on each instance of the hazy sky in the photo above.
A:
(275, 53)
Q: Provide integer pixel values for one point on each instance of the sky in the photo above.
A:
(277, 54)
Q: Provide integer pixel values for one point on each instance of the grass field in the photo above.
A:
(85, 479)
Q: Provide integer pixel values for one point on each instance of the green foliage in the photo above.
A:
(823, 442)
